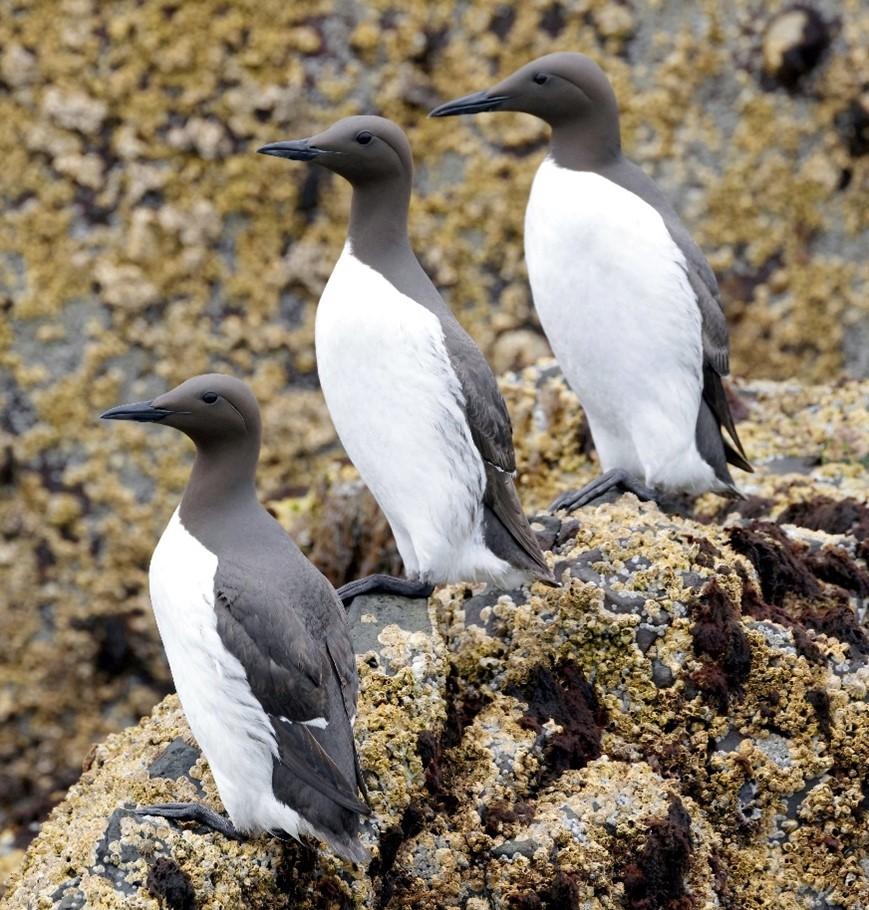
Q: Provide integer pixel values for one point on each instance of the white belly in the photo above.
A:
(398, 409)
(228, 722)
(613, 297)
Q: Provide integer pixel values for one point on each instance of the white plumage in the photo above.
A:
(398, 408)
(611, 289)
(229, 724)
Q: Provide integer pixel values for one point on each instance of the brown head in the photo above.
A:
(567, 90)
(364, 149)
(213, 410)
(373, 154)
(220, 414)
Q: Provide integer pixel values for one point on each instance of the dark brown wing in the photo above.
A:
(296, 679)
(508, 533)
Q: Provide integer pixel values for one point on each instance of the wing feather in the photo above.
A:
(492, 433)
(296, 678)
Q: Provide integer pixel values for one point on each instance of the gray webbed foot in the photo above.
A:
(615, 479)
(193, 812)
(384, 584)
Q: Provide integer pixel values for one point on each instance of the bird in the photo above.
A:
(257, 639)
(413, 400)
(628, 302)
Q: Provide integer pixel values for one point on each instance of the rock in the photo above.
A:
(794, 42)
(176, 761)
(517, 349)
(645, 638)
(715, 656)
(632, 738)
(74, 110)
(793, 464)
(526, 848)
(539, 748)
(662, 675)
(346, 534)
(547, 529)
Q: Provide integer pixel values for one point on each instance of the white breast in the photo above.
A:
(228, 722)
(398, 408)
(611, 289)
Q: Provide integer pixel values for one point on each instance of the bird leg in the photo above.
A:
(616, 478)
(384, 584)
(193, 812)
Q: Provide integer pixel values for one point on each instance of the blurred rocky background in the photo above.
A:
(142, 241)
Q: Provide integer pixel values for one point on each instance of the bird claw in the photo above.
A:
(164, 810)
(600, 486)
(192, 812)
(568, 501)
(384, 584)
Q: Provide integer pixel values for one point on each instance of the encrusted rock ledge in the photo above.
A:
(682, 725)
(679, 726)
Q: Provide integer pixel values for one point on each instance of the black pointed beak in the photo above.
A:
(476, 103)
(141, 411)
(296, 149)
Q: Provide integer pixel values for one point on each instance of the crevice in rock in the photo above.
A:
(388, 885)
(562, 893)
(463, 705)
(350, 537)
(752, 507)
(655, 880)
(431, 752)
(562, 694)
(170, 885)
(722, 883)
(299, 865)
(796, 590)
(720, 641)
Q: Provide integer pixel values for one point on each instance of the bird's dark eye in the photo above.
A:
(541, 78)
(209, 397)
(364, 137)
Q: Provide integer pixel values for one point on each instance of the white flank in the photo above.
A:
(319, 722)
(398, 409)
(228, 722)
(613, 296)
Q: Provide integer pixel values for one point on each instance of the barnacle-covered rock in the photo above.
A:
(683, 723)
(689, 709)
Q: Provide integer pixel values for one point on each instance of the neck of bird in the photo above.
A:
(223, 477)
(586, 144)
(378, 218)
